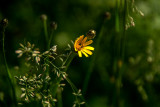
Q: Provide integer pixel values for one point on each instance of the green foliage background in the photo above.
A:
(141, 66)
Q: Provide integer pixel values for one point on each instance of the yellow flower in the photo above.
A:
(81, 45)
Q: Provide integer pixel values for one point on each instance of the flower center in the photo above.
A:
(79, 46)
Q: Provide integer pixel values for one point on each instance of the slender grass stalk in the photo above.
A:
(120, 50)
(50, 39)
(8, 72)
(44, 19)
(117, 27)
(65, 63)
(124, 28)
(45, 31)
(68, 60)
(59, 97)
(75, 89)
(117, 53)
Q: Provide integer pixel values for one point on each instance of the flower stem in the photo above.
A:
(75, 90)
(59, 97)
(66, 63)
(68, 60)
(119, 58)
(50, 39)
(8, 72)
(45, 31)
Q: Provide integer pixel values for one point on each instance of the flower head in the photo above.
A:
(81, 45)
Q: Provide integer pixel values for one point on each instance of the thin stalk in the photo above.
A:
(45, 31)
(120, 51)
(46, 41)
(59, 97)
(8, 73)
(66, 63)
(117, 27)
(72, 85)
(75, 90)
(68, 60)
(124, 29)
(50, 39)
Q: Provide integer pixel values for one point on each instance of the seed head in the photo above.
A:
(53, 25)
(43, 17)
(107, 15)
(4, 22)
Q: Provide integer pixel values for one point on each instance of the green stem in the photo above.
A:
(72, 85)
(45, 31)
(46, 41)
(121, 51)
(68, 60)
(75, 90)
(67, 63)
(8, 73)
(50, 39)
(124, 29)
(59, 97)
(117, 26)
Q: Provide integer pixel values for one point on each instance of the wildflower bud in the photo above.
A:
(43, 17)
(91, 34)
(107, 15)
(4, 22)
(53, 25)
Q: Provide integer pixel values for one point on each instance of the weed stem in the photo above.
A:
(8, 72)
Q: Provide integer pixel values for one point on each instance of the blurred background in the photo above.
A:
(125, 67)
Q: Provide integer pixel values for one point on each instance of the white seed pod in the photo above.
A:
(24, 78)
(79, 91)
(20, 55)
(37, 59)
(54, 48)
(21, 45)
(69, 46)
(141, 13)
(22, 95)
(74, 105)
(55, 100)
(82, 103)
(29, 44)
(62, 85)
(61, 59)
(46, 52)
(23, 89)
(36, 52)
(72, 42)
(18, 51)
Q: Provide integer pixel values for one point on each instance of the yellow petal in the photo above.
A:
(84, 40)
(75, 48)
(84, 53)
(79, 53)
(88, 43)
(87, 51)
(80, 39)
(77, 41)
(89, 48)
